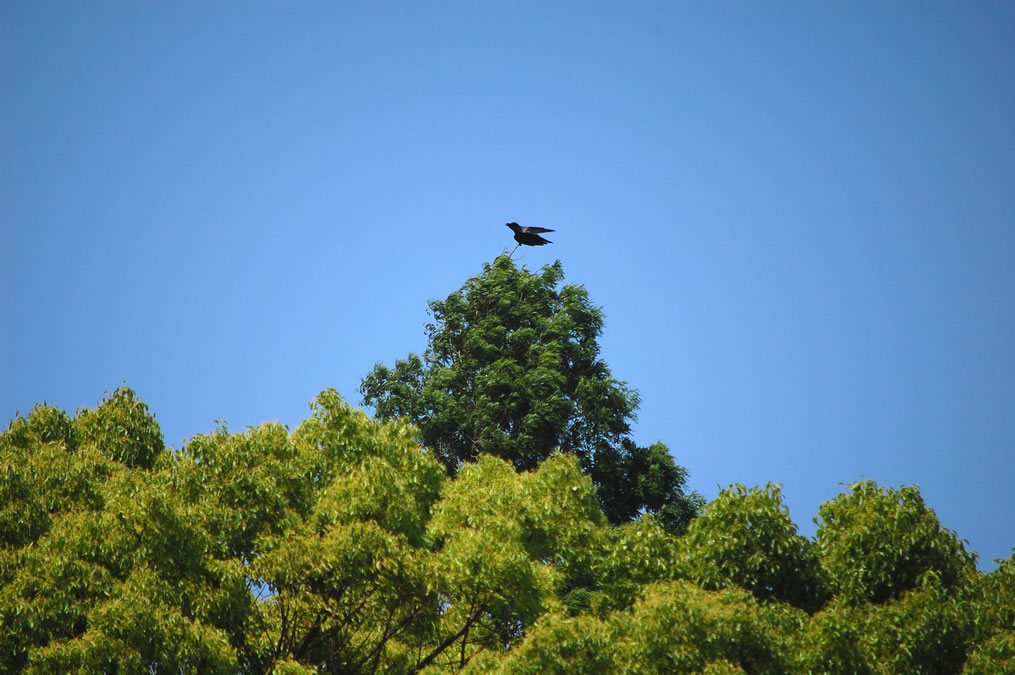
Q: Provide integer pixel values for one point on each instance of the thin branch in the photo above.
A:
(449, 641)
(386, 635)
(465, 641)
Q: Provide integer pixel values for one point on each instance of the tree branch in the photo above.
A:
(449, 641)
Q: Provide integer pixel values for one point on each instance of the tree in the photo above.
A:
(103, 568)
(993, 618)
(877, 543)
(512, 369)
(339, 547)
(746, 538)
(903, 586)
(673, 627)
(344, 547)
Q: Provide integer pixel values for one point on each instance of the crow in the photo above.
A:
(528, 236)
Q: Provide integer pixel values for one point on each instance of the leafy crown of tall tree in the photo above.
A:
(512, 369)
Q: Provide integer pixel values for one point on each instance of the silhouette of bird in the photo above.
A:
(528, 236)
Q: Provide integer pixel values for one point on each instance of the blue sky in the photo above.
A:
(797, 217)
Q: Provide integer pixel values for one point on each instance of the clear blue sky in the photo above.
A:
(798, 217)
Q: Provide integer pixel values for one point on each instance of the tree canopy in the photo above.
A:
(342, 547)
(495, 516)
(512, 369)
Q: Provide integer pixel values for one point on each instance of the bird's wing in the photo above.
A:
(530, 239)
(537, 229)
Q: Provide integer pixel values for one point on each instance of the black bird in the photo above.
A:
(528, 236)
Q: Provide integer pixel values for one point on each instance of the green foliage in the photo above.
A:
(632, 479)
(996, 592)
(877, 543)
(995, 655)
(630, 557)
(23, 518)
(925, 630)
(746, 538)
(43, 425)
(832, 641)
(994, 621)
(122, 429)
(556, 644)
(115, 576)
(344, 547)
(248, 484)
(512, 370)
(674, 627)
(677, 627)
